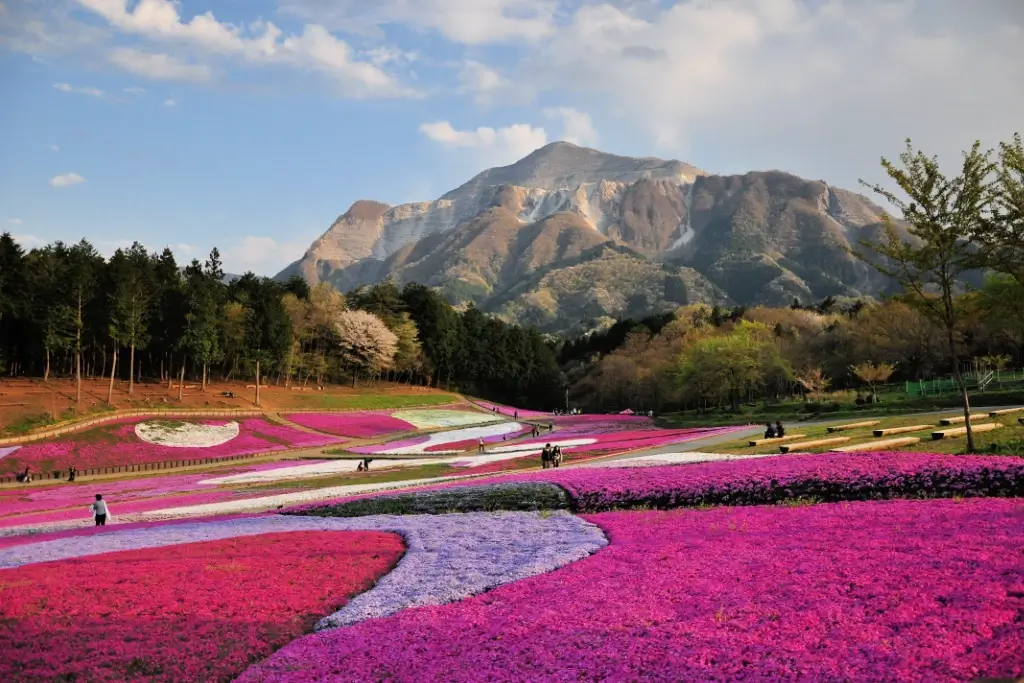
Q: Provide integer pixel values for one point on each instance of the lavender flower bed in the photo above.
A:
(449, 557)
(364, 424)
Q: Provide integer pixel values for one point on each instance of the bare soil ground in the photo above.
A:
(31, 403)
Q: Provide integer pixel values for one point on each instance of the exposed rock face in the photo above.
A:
(569, 235)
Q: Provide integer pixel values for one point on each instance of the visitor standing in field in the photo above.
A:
(480, 445)
(99, 510)
(556, 456)
(545, 457)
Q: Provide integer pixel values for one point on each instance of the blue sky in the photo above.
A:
(252, 125)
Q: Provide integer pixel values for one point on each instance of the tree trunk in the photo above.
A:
(110, 388)
(78, 353)
(181, 380)
(131, 370)
(46, 372)
(963, 389)
(354, 376)
(204, 378)
(257, 384)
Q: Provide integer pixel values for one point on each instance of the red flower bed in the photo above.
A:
(195, 612)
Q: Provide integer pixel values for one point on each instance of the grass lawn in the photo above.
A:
(369, 401)
(1012, 431)
(797, 411)
(381, 476)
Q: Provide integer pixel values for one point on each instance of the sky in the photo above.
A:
(250, 125)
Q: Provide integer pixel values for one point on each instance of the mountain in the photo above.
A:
(568, 236)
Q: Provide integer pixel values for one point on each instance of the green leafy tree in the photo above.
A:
(941, 215)
(84, 268)
(130, 306)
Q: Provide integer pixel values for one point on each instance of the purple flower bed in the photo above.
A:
(890, 591)
(361, 425)
(449, 557)
(825, 477)
(116, 444)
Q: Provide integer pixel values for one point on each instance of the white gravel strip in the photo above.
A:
(675, 459)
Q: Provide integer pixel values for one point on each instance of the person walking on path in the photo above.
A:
(99, 510)
(480, 446)
(545, 457)
(72, 473)
(556, 456)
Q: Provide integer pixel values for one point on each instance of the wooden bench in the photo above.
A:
(900, 430)
(790, 437)
(853, 425)
(957, 432)
(813, 444)
(1005, 411)
(883, 445)
(958, 420)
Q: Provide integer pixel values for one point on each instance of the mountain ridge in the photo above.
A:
(542, 239)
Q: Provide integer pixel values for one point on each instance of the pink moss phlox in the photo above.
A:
(116, 445)
(364, 424)
(200, 611)
(884, 591)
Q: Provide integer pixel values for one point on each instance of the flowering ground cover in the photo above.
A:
(118, 444)
(449, 557)
(361, 425)
(442, 417)
(508, 411)
(200, 611)
(444, 442)
(606, 437)
(880, 591)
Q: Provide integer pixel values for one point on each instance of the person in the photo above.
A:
(99, 510)
(556, 456)
(72, 472)
(517, 415)
(769, 432)
(545, 456)
(359, 467)
(366, 464)
(480, 445)
(779, 429)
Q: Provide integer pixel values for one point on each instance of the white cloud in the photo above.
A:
(819, 88)
(577, 126)
(262, 255)
(158, 66)
(53, 148)
(471, 22)
(485, 84)
(66, 180)
(259, 43)
(493, 147)
(170, 103)
(135, 90)
(14, 221)
(382, 56)
(28, 242)
(92, 92)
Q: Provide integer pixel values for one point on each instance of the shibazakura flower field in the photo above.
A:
(831, 567)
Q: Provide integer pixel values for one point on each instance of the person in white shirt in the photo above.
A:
(99, 510)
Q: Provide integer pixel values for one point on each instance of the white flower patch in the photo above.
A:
(432, 419)
(677, 459)
(4, 452)
(441, 438)
(185, 434)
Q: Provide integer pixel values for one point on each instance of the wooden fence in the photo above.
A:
(148, 467)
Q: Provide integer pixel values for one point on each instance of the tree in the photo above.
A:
(14, 292)
(84, 266)
(365, 344)
(130, 305)
(814, 381)
(1002, 235)
(52, 313)
(873, 374)
(941, 216)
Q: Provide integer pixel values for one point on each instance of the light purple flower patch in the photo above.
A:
(4, 452)
(450, 557)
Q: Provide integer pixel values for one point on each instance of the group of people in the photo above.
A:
(776, 431)
(24, 477)
(551, 457)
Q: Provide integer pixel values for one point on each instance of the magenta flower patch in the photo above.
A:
(117, 444)
(885, 591)
(361, 425)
